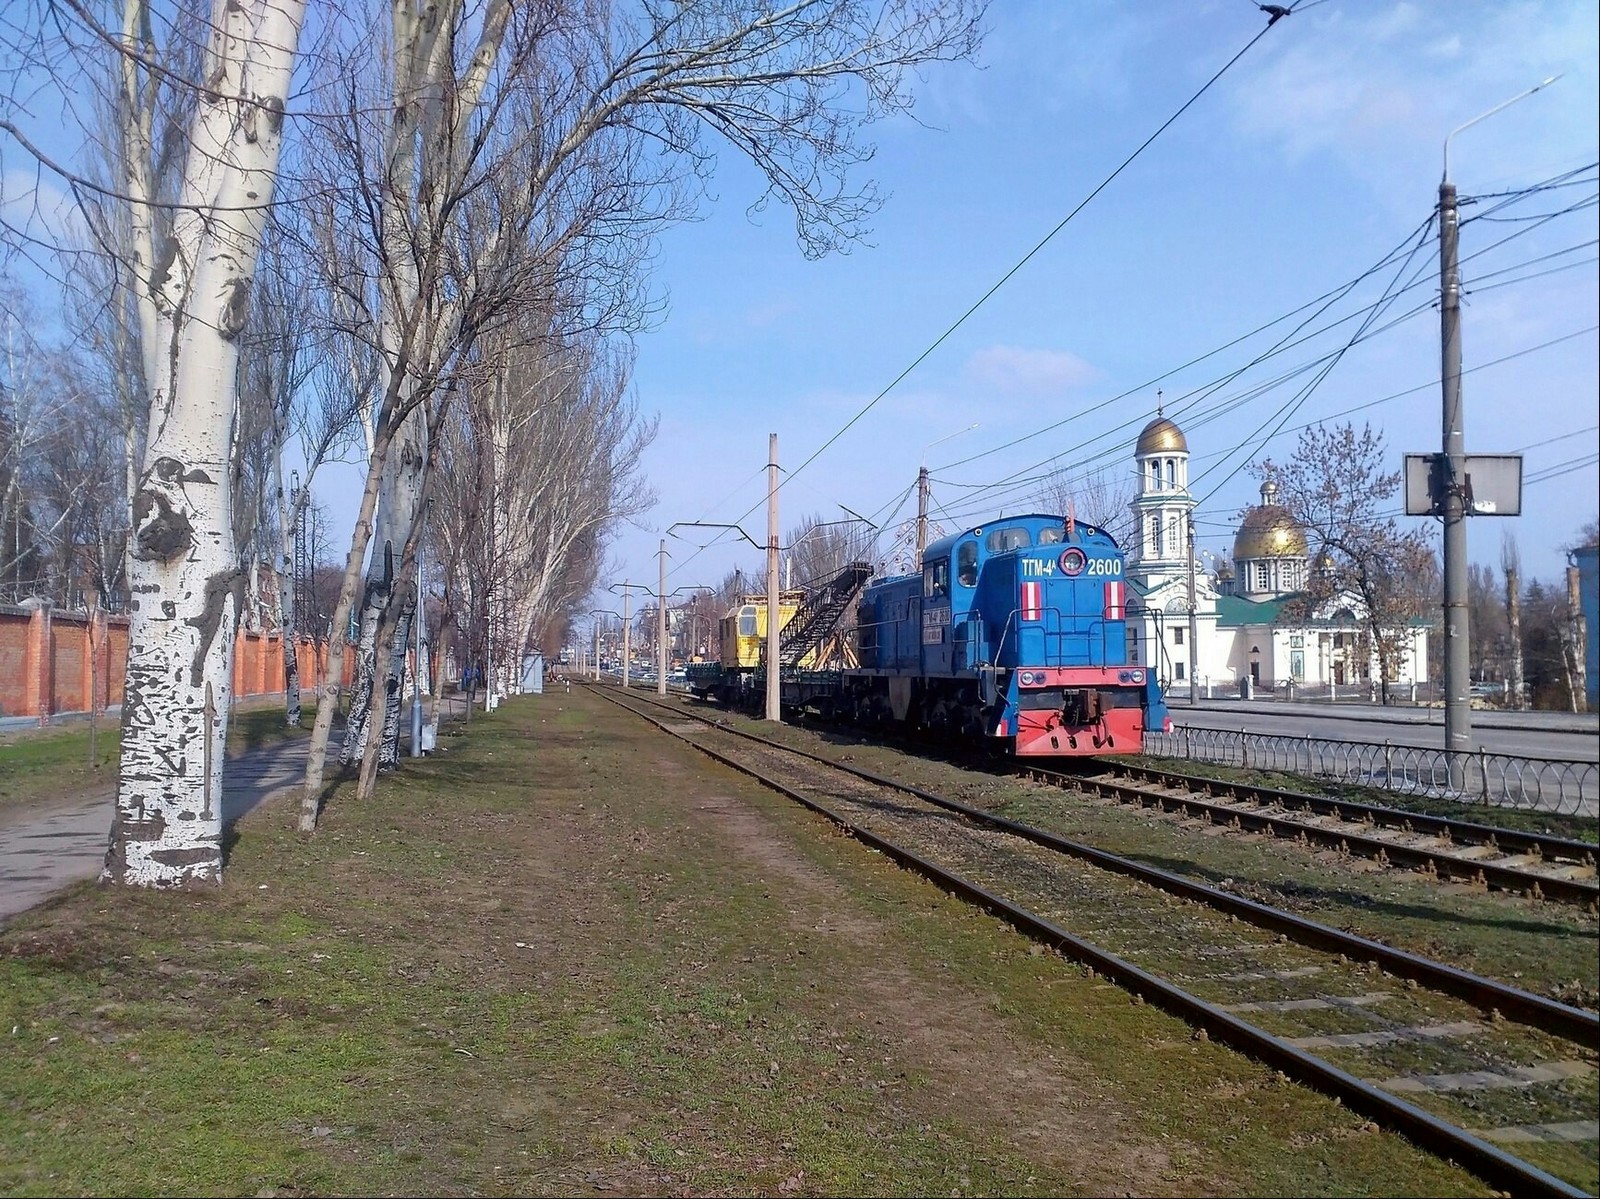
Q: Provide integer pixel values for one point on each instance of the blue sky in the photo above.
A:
(1308, 163)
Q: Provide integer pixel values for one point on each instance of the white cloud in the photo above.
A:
(1018, 371)
(1379, 92)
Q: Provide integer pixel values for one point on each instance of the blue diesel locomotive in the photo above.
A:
(1014, 634)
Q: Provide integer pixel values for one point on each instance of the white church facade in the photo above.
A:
(1251, 629)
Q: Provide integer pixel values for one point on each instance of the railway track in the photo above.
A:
(1462, 1064)
(1534, 864)
(1538, 865)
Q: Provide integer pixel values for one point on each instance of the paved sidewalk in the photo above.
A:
(53, 846)
(46, 848)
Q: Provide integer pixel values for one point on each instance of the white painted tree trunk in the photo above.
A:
(184, 579)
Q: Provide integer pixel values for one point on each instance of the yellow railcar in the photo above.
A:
(744, 628)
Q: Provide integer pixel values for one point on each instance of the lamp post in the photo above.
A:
(1457, 651)
(627, 623)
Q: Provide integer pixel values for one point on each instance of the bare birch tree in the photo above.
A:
(1511, 569)
(192, 287)
(1096, 498)
(587, 128)
(1335, 487)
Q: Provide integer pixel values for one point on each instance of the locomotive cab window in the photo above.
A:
(747, 621)
(936, 578)
(1002, 540)
(967, 564)
(1054, 535)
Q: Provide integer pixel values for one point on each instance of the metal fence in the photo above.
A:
(1501, 780)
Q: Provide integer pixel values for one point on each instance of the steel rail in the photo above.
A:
(1437, 861)
(1490, 1163)
(1575, 1024)
(1465, 831)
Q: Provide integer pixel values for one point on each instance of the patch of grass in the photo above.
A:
(564, 955)
(260, 722)
(48, 763)
(54, 762)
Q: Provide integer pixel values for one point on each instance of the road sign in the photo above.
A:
(1491, 485)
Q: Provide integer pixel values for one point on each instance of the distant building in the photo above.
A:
(1587, 561)
(1253, 622)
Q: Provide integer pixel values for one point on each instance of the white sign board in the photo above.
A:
(1491, 485)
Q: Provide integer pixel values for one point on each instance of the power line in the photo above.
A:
(1561, 468)
(1084, 464)
(1126, 162)
(1019, 479)
(1325, 300)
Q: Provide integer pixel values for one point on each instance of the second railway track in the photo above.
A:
(1539, 865)
(1463, 1064)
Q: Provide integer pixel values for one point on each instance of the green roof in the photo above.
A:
(1235, 610)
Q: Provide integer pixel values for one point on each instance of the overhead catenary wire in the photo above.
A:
(1017, 480)
(1323, 300)
(1023, 261)
(1202, 413)
(985, 490)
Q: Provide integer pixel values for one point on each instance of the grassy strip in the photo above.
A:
(49, 763)
(565, 955)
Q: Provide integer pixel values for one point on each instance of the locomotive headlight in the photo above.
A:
(1028, 678)
(1138, 676)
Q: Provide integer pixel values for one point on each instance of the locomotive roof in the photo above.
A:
(1032, 521)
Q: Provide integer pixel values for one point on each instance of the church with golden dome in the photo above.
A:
(1254, 628)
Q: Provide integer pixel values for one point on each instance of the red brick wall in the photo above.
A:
(50, 662)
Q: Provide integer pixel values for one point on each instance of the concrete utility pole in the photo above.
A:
(1457, 660)
(661, 621)
(1194, 623)
(922, 492)
(774, 704)
(627, 632)
(922, 514)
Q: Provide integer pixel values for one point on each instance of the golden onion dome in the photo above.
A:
(1161, 436)
(1268, 531)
